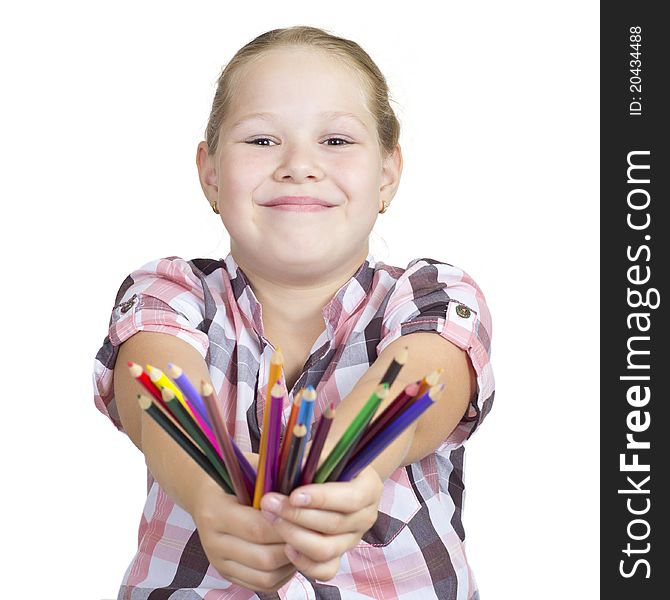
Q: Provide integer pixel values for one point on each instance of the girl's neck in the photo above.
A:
(289, 308)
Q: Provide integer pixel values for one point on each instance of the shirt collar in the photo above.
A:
(338, 310)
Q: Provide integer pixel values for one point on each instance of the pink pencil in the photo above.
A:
(223, 438)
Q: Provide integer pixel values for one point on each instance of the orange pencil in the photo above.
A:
(276, 362)
(428, 381)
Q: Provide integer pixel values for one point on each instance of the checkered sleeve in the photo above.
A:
(163, 296)
(435, 296)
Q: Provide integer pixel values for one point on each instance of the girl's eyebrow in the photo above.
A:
(329, 114)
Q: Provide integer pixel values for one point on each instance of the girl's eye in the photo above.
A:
(253, 142)
(338, 139)
(343, 141)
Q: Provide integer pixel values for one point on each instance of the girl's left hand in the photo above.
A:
(333, 520)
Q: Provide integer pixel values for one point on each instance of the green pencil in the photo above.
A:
(352, 433)
(195, 432)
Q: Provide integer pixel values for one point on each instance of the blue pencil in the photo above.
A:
(305, 417)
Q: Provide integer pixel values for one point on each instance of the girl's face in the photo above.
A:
(300, 146)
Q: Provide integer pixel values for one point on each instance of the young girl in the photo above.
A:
(301, 155)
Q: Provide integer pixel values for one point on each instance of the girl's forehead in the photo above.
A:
(297, 72)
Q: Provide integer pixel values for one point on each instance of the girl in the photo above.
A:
(301, 155)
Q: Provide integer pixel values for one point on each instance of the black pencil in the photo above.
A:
(196, 433)
(298, 440)
(397, 363)
(191, 449)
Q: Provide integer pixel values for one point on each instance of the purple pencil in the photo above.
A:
(274, 431)
(400, 402)
(326, 420)
(179, 377)
(386, 437)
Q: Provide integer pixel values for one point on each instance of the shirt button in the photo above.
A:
(125, 306)
(463, 311)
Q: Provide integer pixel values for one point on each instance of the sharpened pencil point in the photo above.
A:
(144, 401)
(167, 394)
(135, 369)
(206, 388)
(174, 370)
(436, 391)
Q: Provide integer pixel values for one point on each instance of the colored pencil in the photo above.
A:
(274, 427)
(394, 368)
(429, 381)
(223, 438)
(352, 433)
(292, 471)
(162, 381)
(276, 362)
(190, 425)
(390, 433)
(142, 378)
(319, 439)
(192, 395)
(248, 472)
(305, 417)
(286, 442)
(400, 402)
(189, 447)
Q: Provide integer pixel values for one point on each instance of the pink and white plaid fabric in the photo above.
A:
(416, 549)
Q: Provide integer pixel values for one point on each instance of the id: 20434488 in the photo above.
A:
(635, 79)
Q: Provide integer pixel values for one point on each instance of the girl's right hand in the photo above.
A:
(238, 541)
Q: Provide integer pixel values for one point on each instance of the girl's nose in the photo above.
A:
(298, 162)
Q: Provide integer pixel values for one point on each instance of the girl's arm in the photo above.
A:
(426, 351)
(238, 541)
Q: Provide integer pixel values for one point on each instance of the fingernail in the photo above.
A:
(271, 517)
(301, 499)
(291, 552)
(272, 504)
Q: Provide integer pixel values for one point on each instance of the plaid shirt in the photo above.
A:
(416, 549)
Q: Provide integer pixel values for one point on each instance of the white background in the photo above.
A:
(102, 109)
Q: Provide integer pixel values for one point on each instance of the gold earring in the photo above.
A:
(215, 207)
(384, 207)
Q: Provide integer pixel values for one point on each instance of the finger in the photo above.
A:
(275, 506)
(269, 557)
(240, 521)
(314, 545)
(322, 571)
(259, 581)
(341, 496)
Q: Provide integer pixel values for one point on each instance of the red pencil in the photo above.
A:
(288, 432)
(140, 375)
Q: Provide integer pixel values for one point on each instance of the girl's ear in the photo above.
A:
(391, 171)
(207, 172)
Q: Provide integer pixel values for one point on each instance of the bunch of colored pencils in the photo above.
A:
(194, 420)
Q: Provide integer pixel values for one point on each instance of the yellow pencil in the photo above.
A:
(162, 381)
(276, 362)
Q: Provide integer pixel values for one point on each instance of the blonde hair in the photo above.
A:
(299, 36)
